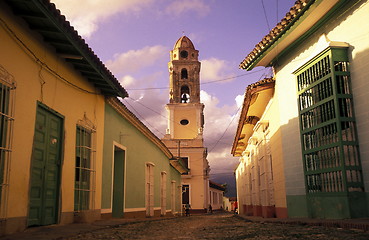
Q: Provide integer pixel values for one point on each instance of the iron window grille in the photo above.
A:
(7, 96)
(85, 176)
(327, 123)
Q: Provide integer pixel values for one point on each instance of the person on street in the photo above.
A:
(235, 207)
(187, 209)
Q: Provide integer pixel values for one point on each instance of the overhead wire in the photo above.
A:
(265, 14)
(143, 119)
(29, 52)
(203, 83)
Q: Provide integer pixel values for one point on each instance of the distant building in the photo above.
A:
(216, 195)
(302, 136)
(184, 136)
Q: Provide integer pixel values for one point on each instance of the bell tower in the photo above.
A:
(184, 136)
(186, 119)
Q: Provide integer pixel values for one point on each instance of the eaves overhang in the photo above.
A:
(216, 186)
(43, 17)
(298, 23)
(178, 164)
(256, 98)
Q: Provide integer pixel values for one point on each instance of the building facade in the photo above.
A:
(51, 119)
(139, 177)
(216, 194)
(184, 136)
(317, 111)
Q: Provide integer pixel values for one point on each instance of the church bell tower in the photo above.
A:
(186, 120)
(184, 136)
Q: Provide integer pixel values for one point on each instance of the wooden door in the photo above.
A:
(45, 168)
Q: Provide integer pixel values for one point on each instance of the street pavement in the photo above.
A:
(219, 225)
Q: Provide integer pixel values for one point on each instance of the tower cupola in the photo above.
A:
(184, 70)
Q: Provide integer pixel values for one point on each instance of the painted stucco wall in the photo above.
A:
(196, 179)
(216, 198)
(35, 83)
(271, 115)
(190, 112)
(139, 151)
(342, 27)
(268, 138)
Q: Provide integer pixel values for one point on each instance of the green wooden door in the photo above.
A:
(45, 168)
(118, 183)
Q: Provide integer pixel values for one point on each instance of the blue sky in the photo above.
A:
(133, 38)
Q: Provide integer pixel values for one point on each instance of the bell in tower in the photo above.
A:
(184, 70)
(184, 108)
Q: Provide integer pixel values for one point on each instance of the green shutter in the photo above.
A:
(329, 141)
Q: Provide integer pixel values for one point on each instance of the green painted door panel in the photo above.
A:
(45, 168)
(118, 184)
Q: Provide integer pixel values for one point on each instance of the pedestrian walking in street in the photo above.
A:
(210, 209)
(187, 209)
(235, 207)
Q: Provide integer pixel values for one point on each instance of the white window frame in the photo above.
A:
(163, 193)
(149, 189)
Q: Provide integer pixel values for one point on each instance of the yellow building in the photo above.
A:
(52, 90)
(184, 136)
(260, 180)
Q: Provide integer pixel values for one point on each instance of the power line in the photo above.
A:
(234, 116)
(265, 15)
(203, 83)
(28, 51)
(143, 119)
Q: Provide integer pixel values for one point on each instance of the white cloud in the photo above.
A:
(213, 69)
(149, 106)
(239, 100)
(135, 60)
(127, 81)
(85, 15)
(219, 131)
(179, 7)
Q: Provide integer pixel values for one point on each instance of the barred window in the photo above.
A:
(85, 168)
(327, 124)
(7, 95)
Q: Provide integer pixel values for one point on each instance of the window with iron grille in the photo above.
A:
(84, 190)
(327, 123)
(7, 95)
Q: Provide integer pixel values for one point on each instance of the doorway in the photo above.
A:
(45, 168)
(118, 182)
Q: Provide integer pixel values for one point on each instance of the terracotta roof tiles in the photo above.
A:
(299, 7)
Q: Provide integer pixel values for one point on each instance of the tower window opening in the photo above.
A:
(185, 94)
(184, 122)
(184, 74)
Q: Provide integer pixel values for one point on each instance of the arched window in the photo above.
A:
(185, 94)
(184, 74)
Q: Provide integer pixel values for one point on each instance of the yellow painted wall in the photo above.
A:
(196, 179)
(185, 131)
(272, 116)
(35, 83)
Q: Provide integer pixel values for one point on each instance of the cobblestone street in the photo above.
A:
(218, 226)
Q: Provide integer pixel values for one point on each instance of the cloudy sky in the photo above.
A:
(133, 38)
